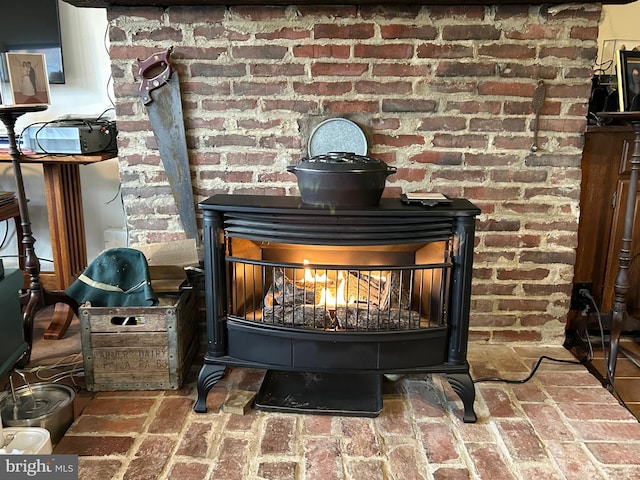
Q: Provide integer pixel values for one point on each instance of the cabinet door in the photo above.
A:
(615, 243)
(600, 174)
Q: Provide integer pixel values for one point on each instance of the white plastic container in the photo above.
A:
(25, 441)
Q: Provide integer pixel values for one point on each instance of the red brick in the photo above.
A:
(322, 459)
(383, 88)
(284, 33)
(502, 50)
(365, 469)
(451, 473)
(615, 453)
(278, 470)
(497, 401)
(607, 431)
(241, 423)
(270, 52)
(359, 31)
(470, 32)
(445, 140)
(567, 52)
(278, 437)
(573, 461)
(391, 51)
(538, 471)
(109, 423)
(323, 88)
(196, 439)
(350, 69)
(170, 415)
(359, 437)
(231, 459)
(521, 440)
(400, 70)
(394, 419)
(317, 424)
(189, 471)
(400, 31)
(438, 442)
(579, 395)
(107, 406)
(489, 463)
(347, 106)
(259, 88)
(585, 412)
(322, 51)
(404, 464)
(95, 446)
(91, 468)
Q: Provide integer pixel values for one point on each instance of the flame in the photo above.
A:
(328, 298)
(312, 278)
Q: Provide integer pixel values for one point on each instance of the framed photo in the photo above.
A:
(28, 81)
(628, 70)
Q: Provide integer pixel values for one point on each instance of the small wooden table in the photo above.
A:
(65, 213)
(66, 227)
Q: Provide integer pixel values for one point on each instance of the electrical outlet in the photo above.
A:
(578, 301)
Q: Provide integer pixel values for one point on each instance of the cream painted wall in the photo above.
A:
(618, 22)
(87, 92)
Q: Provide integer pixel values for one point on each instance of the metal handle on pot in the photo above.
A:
(391, 170)
(291, 169)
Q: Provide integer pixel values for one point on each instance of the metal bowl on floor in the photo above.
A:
(44, 405)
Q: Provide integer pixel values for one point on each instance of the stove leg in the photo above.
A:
(207, 378)
(464, 387)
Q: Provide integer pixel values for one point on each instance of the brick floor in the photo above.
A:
(562, 424)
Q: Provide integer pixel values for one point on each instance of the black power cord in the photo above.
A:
(531, 374)
(585, 293)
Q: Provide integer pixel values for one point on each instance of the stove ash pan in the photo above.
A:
(298, 288)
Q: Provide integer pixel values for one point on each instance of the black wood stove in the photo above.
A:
(328, 300)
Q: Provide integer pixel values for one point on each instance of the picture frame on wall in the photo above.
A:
(27, 80)
(628, 72)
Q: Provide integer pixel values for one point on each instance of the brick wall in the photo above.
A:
(443, 93)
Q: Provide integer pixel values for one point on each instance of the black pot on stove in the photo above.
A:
(341, 179)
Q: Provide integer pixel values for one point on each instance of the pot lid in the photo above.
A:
(342, 162)
(337, 135)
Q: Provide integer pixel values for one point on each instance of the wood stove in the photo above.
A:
(329, 300)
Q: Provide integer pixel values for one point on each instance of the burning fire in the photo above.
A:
(327, 297)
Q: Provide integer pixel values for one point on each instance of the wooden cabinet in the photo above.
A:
(605, 183)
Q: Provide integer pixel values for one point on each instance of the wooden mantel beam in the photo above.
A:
(169, 3)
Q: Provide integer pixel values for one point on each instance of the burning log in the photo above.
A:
(368, 319)
(284, 292)
(382, 301)
(311, 316)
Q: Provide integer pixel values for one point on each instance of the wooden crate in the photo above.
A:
(139, 348)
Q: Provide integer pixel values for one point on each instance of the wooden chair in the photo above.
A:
(62, 314)
(9, 209)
